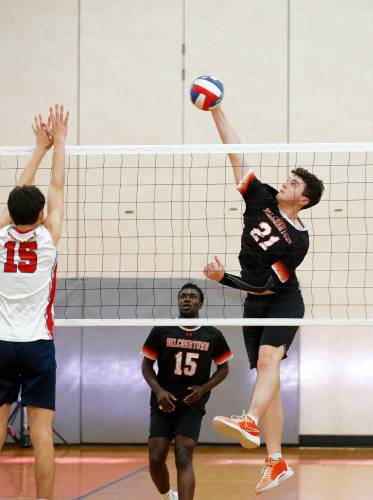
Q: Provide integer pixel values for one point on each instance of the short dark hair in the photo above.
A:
(194, 287)
(314, 186)
(24, 204)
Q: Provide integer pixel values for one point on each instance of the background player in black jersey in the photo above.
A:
(274, 242)
(180, 390)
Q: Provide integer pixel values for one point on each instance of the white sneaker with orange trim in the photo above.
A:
(273, 472)
(241, 427)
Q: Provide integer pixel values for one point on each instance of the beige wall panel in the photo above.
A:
(336, 373)
(131, 89)
(243, 43)
(331, 71)
(38, 47)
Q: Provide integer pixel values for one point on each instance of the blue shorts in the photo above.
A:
(29, 367)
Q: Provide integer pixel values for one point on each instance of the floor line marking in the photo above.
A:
(111, 483)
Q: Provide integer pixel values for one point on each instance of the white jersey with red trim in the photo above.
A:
(28, 266)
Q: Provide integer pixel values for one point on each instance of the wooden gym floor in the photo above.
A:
(223, 473)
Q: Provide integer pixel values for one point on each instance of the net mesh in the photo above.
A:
(141, 223)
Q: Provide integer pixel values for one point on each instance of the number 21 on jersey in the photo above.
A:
(185, 363)
(28, 258)
(262, 236)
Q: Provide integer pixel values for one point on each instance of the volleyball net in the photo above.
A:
(143, 220)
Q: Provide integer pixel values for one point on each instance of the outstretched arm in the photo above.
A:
(57, 128)
(276, 275)
(229, 136)
(43, 143)
(215, 271)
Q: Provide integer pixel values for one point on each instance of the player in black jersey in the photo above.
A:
(274, 242)
(180, 390)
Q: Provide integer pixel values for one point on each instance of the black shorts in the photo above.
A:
(285, 304)
(29, 367)
(184, 422)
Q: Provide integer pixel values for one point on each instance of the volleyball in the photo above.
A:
(206, 92)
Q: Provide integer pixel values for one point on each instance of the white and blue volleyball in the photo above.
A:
(206, 92)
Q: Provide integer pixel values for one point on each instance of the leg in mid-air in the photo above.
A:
(245, 428)
(266, 405)
(265, 355)
(275, 467)
(267, 382)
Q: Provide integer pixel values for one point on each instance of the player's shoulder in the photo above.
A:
(4, 229)
(304, 239)
(43, 229)
(298, 230)
(211, 330)
(252, 181)
(258, 190)
(270, 191)
(163, 330)
(155, 330)
(44, 235)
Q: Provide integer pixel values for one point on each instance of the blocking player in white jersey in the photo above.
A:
(28, 257)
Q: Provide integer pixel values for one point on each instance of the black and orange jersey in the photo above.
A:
(184, 357)
(272, 247)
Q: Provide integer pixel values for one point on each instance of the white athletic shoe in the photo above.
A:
(171, 495)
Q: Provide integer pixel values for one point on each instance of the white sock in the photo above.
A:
(253, 418)
(276, 456)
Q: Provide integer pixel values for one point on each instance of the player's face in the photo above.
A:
(292, 191)
(189, 303)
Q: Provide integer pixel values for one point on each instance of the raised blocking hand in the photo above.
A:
(44, 140)
(58, 123)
